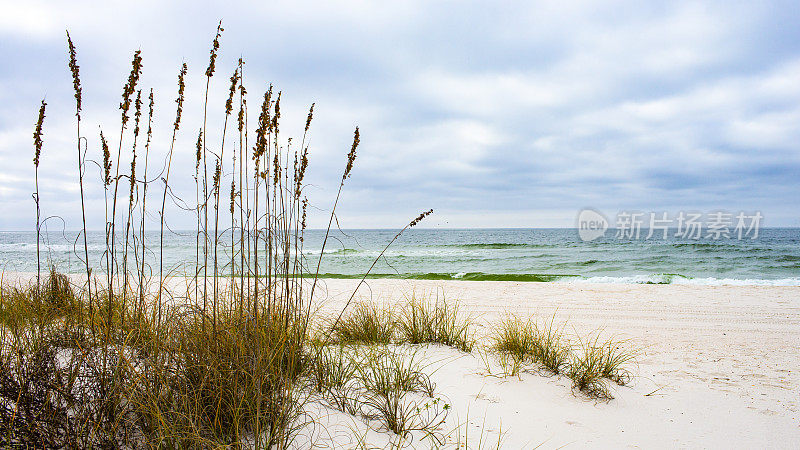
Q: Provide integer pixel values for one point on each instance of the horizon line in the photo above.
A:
(415, 228)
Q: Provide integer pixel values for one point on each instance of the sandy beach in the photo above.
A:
(717, 365)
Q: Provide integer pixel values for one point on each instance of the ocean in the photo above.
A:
(531, 255)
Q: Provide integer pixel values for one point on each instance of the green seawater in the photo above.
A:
(522, 255)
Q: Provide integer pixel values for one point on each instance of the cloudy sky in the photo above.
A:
(495, 114)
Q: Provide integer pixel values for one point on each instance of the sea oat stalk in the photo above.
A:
(137, 118)
(127, 92)
(217, 175)
(242, 125)
(76, 84)
(259, 150)
(176, 125)
(199, 147)
(37, 151)
(209, 73)
(151, 105)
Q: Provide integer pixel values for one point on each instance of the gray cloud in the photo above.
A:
(508, 114)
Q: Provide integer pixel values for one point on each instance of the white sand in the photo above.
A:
(720, 365)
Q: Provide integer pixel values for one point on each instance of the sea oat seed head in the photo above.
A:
(351, 157)
(263, 125)
(310, 115)
(243, 107)
(419, 218)
(133, 176)
(277, 115)
(37, 135)
(76, 77)
(301, 172)
(150, 106)
(276, 163)
(199, 154)
(137, 115)
(234, 82)
(179, 100)
(268, 100)
(214, 47)
(106, 159)
(303, 221)
(130, 85)
(233, 193)
(240, 118)
(217, 170)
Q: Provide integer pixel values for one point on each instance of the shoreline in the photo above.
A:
(652, 279)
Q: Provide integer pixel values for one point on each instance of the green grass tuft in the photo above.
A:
(365, 323)
(377, 383)
(589, 365)
(435, 322)
(597, 361)
(543, 344)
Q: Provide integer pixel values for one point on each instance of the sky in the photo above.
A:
(494, 114)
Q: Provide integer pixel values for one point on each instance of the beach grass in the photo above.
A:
(437, 322)
(540, 343)
(417, 321)
(590, 362)
(112, 362)
(366, 323)
(597, 360)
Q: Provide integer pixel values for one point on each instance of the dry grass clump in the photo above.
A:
(543, 344)
(32, 409)
(589, 364)
(365, 323)
(418, 322)
(58, 292)
(54, 388)
(597, 361)
(224, 389)
(435, 322)
(177, 386)
(550, 347)
(514, 336)
(55, 299)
